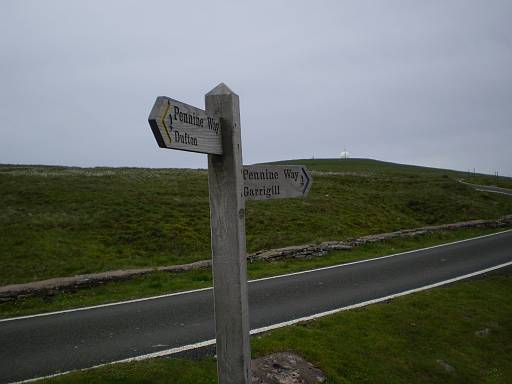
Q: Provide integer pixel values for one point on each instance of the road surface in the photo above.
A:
(489, 188)
(38, 346)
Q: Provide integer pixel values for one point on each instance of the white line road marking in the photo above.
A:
(490, 190)
(483, 188)
(210, 342)
(373, 301)
(250, 281)
(104, 305)
(384, 257)
(131, 359)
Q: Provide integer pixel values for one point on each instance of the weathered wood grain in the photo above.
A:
(177, 125)
(263, 182)
(227, 216)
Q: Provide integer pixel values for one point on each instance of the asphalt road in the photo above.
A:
(38, 346)
(490, 188)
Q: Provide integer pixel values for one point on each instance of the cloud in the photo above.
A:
(415, 82)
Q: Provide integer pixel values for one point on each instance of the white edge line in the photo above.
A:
(384, 257)
(250, 281)
(206, 343)
(483, 188)
(131, 359)
(489, 190)
(380, 299)
(104, 305)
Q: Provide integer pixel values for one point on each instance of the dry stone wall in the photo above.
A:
(52, 286)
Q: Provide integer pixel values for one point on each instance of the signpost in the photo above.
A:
(177, 125)
(274, 182)
(216, 132)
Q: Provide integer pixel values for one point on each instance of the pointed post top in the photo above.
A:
(221, 89)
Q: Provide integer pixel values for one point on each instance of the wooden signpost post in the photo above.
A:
(216, 132)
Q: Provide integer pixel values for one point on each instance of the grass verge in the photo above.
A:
(161, 282)
(62, 221)
(461, 333)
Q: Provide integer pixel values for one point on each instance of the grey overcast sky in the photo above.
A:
(421, 82)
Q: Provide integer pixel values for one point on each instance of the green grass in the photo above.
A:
(370, 167)
(58, 221)
(151, 371)
(400, 341)
(163, 282)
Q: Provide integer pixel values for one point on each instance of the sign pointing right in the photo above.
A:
(274, 182)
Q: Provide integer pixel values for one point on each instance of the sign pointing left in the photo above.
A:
(177, 125)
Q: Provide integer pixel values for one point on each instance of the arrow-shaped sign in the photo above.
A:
(177, 125)
(276, 181)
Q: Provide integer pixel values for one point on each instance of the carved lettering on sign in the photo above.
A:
(270, 182)
(177, 125)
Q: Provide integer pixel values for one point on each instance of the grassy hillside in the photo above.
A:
(374, 167)
(58, 221)
(369, 167)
